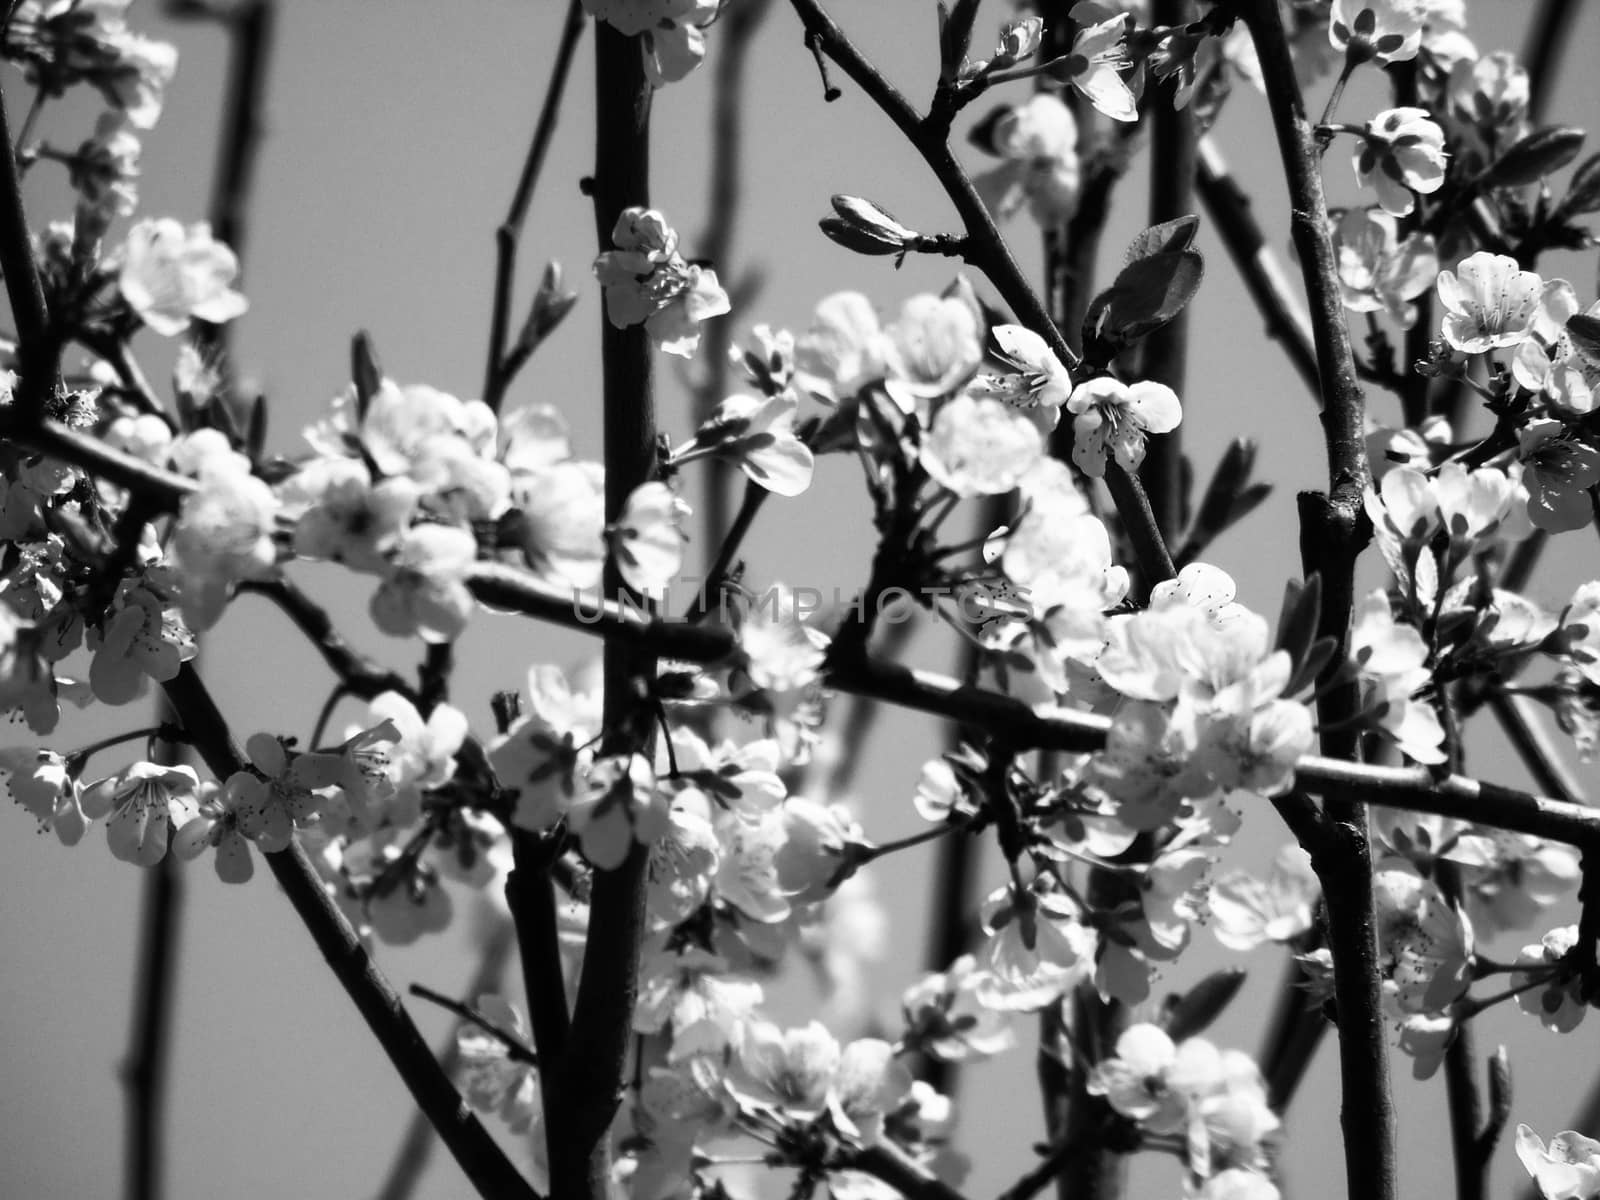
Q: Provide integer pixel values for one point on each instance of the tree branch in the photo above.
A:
(375, 998)
(1229, 209)
(1332, 535)
(592, 1067)
(496, 375)
(986, 248)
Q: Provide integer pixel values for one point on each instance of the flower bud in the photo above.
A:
(866, 228)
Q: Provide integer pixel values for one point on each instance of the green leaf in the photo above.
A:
(1533, 157)
(1299, 619)
(1176, 234)
(1583, 195)
(1147, 294)
(1194, 1011)
(365, 372)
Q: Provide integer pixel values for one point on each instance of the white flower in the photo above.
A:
(424, 590)
(1038, 143)
(223, 537)
(560, 523)
(980, 446)
(1247, 911)
(1386, 30)
(1377, 271)
(647, 539)
(1560, 1003)
(1489, 301)
(541, 754)
(218, 825)
(344, 515)
(1400, 152)
(494, 1079)
(617, 806)
(1117, 416)
(845, 348)
(39, 781)
(648, 282)
(945, 1018)
(171, 276)
(144, 804)
(423, 756)
(1098, 57)
(1393, 661)
(758, 434)
(792, 1070)
(784, 653)
(1424, 943)
(1569, 1169)
(934, 348)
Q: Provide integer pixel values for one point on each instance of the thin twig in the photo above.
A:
(416, 1145)
(249, 26)
(736, 31)
(1548, 35)
(496, 377)
(470, 1014)
(359, 675)
(1229, 209)
(149, 1053)
(484, 1163)
(38, 346)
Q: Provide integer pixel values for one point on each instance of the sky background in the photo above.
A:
(395, 132)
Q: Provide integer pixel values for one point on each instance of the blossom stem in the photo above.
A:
(516, 1049)
(709, 598)
(360, 676)
(165, 732)
(736, 29)
(1470, 1008)
(498, 371)
(1060, 1153)
(872, 853)
(1351, 62)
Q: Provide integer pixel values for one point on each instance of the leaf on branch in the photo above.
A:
(1299, 618)
(1193, 1012)
(1533, 157)
(1176, 234)
(955, 35)
(1147, 294)
(365, 372)
(1583, 196)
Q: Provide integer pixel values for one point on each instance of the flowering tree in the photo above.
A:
(654, 834)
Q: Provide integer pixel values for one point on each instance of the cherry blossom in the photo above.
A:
(1568, 1169)
(218, 824)
(171, 276)
(1386, 30)
(1246, 911)
(1489, 302)
(758, 434)
(1377, 271)
(1560, 1004)
(223, 537)
(142, 805)
(647, 538)
(1095, 66)
(1114, 416)
(424, 590)
(1401, 151)
(1037, 142)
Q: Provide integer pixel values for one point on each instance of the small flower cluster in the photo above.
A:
(647, 282)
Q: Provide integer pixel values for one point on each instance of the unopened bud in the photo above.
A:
(866, 228)
(1019, 40)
